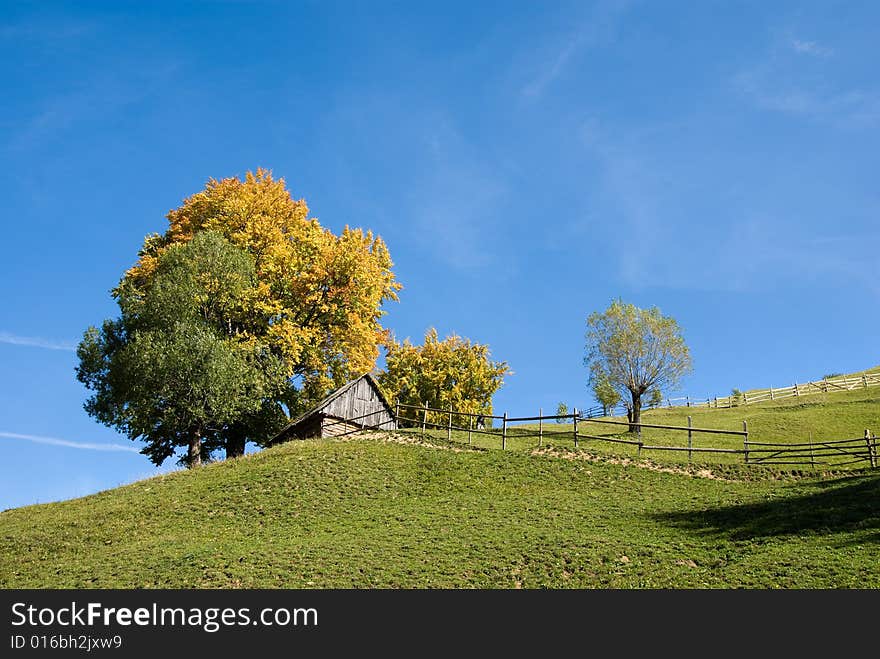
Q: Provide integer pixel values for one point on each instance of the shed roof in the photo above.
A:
(330, 398)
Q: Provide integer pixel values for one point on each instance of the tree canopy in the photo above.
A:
(319, 296)
(454, 373)
(174, 369)
(308, 308)
(635, 350)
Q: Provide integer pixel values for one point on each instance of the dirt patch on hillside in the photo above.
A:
(586, 456)
(395, 438)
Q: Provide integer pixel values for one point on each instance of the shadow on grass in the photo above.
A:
(844, 505)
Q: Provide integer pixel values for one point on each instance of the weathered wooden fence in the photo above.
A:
(823, 386)
(836, 453)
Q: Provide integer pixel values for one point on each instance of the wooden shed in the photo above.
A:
(356, 405)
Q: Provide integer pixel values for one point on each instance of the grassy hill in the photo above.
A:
(374, 512)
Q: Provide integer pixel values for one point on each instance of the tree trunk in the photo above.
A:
(635, 415)
(235, 445)
(195, 450)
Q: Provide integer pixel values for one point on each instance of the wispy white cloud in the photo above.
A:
(810, 48)
(647, 199)
(35, 342)
(457, 196)
(597, 28)
(782, 81)
(846, 108)
(54, 441)
(554, 67)
(94, 97)
(447, 186)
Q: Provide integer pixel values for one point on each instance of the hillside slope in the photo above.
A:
(370, 512)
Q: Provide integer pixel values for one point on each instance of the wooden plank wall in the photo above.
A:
(360, 400)
(335, 428)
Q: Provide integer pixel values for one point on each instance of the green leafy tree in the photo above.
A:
(318, 299)
(736, 397)
(314, 303)
(655, 398)
(176, 368)
(561, 410)
(454, 373)
(636, 350)
(605, 393)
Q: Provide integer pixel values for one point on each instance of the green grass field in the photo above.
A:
(368, 513)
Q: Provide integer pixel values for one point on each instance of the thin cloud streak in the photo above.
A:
(54, 441)
(536, 86)
(36, 342)
(598, 28)
(810, 48)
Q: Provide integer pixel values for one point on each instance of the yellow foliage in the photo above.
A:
(319, 298)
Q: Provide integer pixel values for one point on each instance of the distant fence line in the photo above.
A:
(813, 453)
(825, 385)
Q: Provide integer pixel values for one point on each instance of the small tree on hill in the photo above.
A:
(450, 374)
(636, 350)
(736, 397)
(561, 410)
(656, 398)
(605, 393)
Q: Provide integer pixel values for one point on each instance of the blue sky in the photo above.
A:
(526, 164)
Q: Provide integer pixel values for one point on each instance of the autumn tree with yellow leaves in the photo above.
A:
(316, 302)
(454, 373)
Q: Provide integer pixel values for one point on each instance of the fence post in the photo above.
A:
(397, 413)
(871, 456)
(540, 426)
(865, 380)
(846, 383)
(825, 385)
(771, 393)
(716, 402)
(746, 439)
(797, 392)
(504, 432)
(745, 398)
(690, 438)
(812, 457)
(449, 426)
(575, 415)
(424, 419)
(470, 425)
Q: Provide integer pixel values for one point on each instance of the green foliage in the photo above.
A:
(655, 398)
(635, 350)
(450, 374)
(736, 397)
(176, 369)
(605, 392)
(830, 376)
(317, 302)
(329, 514)
(561, 410)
